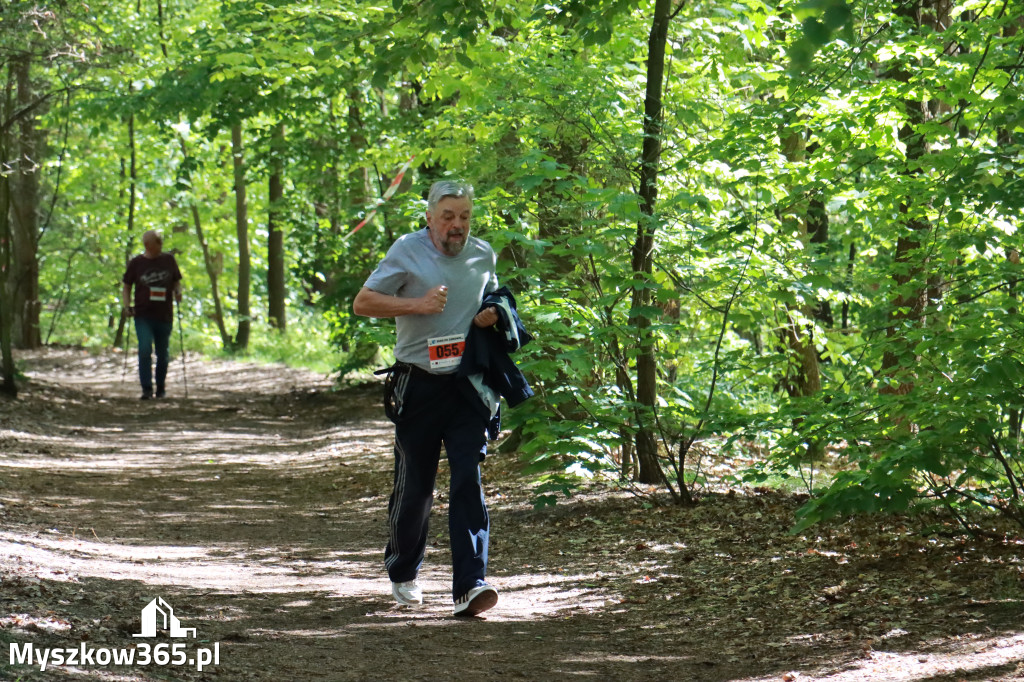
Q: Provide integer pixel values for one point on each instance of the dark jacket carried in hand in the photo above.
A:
(487, 350)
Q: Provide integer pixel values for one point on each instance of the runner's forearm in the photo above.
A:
(370, 303)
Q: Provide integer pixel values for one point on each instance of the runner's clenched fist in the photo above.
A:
(434, 301)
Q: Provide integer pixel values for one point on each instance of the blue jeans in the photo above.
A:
(151, 333)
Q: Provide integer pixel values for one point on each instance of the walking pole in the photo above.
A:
(181, 340)
(127, 346)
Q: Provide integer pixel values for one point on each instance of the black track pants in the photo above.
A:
(438, 410)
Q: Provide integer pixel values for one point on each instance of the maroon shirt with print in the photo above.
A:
(154, 280)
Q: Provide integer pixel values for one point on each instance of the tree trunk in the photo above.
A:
(130, 220)
(803, 377)
(851, 260)
(211, 271)
(357, 195)
(1012, 316)
(241, 342)
(818, 231)
(908, 275)
(24, 275)
(558, 215)
(358, 174)
(559, 218)
(643, 249)
(1005, 138)
(7, 372)
(208, 261)
(275, 242)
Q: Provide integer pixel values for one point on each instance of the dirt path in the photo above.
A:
(255, 509)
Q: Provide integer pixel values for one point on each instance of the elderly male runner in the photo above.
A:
(433, 281)
(157, 282)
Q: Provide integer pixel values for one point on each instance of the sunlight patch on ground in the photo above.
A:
(174, 565)
(941, 658)
(44, 624)
(116, 374)
(522, 597)
(99, 674)
(109, 448)
(590, 659)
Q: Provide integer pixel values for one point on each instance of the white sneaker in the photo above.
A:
(477, 600)
(408, 593)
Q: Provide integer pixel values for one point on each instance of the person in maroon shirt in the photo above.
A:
(157, 282)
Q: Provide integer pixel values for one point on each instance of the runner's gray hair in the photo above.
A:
(448, 188)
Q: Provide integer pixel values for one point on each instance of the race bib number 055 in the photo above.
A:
(446, 351)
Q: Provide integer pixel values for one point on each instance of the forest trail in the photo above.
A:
(255, 508)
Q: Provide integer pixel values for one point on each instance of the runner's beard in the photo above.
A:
(453, 248)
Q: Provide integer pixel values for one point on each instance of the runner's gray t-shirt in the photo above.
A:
(414, 266)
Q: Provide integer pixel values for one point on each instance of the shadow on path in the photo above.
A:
(256, 509)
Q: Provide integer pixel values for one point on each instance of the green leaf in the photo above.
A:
(818, 33)
(837, 15)
(800, 53)
(648, 311)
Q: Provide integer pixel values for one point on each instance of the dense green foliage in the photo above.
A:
(835, 238)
